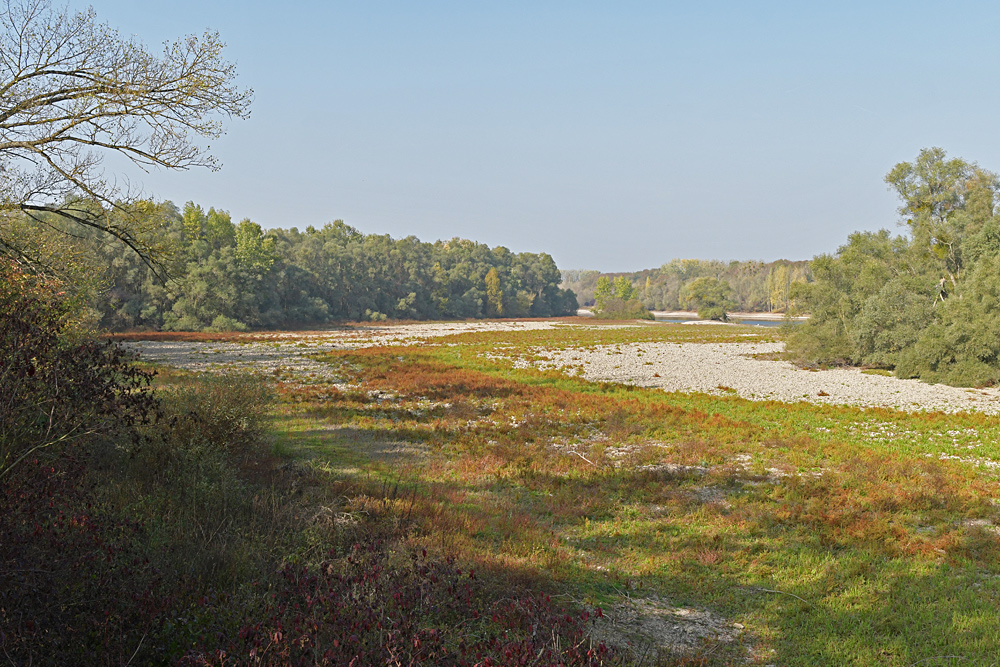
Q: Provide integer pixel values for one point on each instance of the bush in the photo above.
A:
(711, 297)
(890, 322)
(228, 411)
(222, 324)
(57, 386)
(74, 587)
(369, 609)
(617, 309)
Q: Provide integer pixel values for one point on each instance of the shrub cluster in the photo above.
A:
(58, 386)
(618, 300)
(367, 609)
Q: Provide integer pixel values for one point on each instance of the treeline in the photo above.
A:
(926, 304)
(230, 276)
(755, 286)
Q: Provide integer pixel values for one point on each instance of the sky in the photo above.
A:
(611, 135)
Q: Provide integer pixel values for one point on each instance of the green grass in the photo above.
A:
(835, 535)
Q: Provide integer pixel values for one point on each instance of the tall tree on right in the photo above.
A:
(926, 304)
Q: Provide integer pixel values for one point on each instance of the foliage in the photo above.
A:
(57, 388)
(756, 286)
(224, 411)
(926, 304)
(128, 550)
(709, 296)
(73, 90)
(237, 277)
(366, 609)
(617, 300)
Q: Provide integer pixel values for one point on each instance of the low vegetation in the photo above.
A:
(836, 535)
(170, 527)
(811, 534)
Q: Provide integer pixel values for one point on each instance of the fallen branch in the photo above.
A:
(771, 590)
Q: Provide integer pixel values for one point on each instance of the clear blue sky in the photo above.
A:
(613, 136)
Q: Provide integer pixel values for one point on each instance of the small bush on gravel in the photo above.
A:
(617, 309)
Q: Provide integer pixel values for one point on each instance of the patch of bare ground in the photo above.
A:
(653, 629)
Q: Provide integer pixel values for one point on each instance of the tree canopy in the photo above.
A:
(711, 297)
(756, 286)
(616, 300)
(73, 91)
(926, 304)
(235, 276)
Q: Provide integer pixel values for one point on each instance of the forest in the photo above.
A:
(755, 286)
(233, 277)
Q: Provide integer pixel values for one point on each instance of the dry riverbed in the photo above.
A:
(738, 369)
(693, 525)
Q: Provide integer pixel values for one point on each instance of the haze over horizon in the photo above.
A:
(612, 137)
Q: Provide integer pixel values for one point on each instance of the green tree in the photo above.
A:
(253, 250)
(494, 295)
(926, 305)
(624, 289)
(943, 201)
(711, 297)
(73, 91)
(602, 292)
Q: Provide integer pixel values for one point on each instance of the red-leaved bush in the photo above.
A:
(363, 610)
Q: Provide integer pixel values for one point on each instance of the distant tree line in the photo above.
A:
(753, 286)
(926, 304)
(229, 276)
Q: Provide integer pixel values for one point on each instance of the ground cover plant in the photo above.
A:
(830, 535)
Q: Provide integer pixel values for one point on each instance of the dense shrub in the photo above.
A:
(617, 309)
(74, 585)
(368, 609)
(228, 411)
(618, 300)
(711, 297)
(58, 387)
(927, 304)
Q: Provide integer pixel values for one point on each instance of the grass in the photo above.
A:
(834, 535)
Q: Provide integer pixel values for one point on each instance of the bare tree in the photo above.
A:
(73, 91)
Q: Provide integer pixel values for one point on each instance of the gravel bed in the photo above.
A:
(286, 354)
(715, 368)
(730, 369)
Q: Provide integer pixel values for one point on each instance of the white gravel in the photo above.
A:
(716, 368)
(287, 354)
(730, 369)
